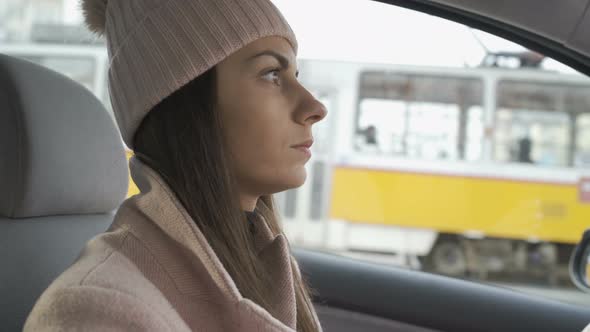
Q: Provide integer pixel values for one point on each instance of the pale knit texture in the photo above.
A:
(157, 46)
(153, 270)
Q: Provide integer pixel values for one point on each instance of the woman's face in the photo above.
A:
(266, 116)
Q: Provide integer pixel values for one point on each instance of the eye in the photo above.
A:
(273, 76)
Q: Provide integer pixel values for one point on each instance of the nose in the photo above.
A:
(310, 110)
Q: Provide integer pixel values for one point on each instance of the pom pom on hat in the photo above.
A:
(95, 14)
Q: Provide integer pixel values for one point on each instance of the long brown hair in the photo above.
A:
(181, 138)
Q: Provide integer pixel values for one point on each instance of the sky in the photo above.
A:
(364, 30)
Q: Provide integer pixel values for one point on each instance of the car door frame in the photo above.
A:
(431, 301)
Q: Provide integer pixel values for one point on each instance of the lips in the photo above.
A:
(305, 144)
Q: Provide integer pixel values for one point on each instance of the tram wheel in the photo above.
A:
(448, 258)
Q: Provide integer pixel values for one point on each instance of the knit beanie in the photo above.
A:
(157, 46)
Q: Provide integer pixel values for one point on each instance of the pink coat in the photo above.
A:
(153, 270)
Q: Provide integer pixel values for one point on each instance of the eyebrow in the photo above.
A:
(283, 61)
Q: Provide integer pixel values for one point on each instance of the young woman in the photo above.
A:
(206, 94)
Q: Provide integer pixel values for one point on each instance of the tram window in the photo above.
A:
(541, 123)
(80, 69)
(418, 116)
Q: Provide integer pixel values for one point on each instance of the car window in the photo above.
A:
(450, 150)
(446, 149)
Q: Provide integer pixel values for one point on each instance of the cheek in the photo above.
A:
(254, 129)
(259, 132)
(260, 139)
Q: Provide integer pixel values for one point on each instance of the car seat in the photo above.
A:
(63, 173)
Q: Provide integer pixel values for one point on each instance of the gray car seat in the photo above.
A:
(63, 172)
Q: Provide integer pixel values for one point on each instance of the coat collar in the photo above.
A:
(158, 202)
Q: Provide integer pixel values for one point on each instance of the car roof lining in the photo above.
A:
(519, 14)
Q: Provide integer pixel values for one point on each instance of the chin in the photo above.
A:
(292, 180)
(298, 177)
(296, 183)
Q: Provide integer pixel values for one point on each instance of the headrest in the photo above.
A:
(60, 151)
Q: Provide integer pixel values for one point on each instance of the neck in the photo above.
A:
(248, 202)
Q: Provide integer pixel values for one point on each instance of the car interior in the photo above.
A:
(63, 174)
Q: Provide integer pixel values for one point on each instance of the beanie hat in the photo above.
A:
(157, 46)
